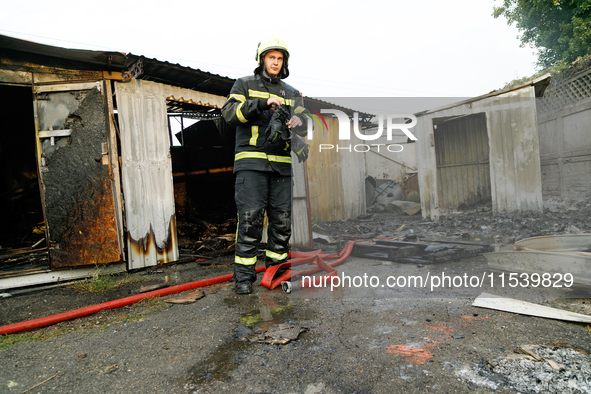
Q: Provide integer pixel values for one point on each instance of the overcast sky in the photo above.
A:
(430, 48)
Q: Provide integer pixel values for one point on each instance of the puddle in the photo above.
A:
(273, 307)
(266, 314)
(218, 366)
(252, 302)
(227, 357)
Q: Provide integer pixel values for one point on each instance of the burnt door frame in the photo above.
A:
(73, 144)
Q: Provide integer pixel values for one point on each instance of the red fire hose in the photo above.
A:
(89, 310)
(297, 259)
(269, 280)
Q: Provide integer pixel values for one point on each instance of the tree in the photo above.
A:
(559, 29)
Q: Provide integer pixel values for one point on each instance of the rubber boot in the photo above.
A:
(244, 287)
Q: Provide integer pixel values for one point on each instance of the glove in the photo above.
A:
(299, 147)
(277, 123)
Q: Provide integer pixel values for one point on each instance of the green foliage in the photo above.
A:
(559, 72)
(7, 341)
(99, 282)
(559, 29)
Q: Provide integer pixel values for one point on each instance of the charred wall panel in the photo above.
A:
(327, 202)
(301, 226)
(336, 177)
(77, 187)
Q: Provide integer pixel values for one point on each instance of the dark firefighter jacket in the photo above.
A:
(246, 108)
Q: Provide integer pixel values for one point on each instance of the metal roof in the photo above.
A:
(540, 84)
(141, 67)
(47, 53)
(82, 59)
(177, 75)
(317, 104)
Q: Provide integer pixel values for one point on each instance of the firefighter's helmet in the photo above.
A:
(273, 43)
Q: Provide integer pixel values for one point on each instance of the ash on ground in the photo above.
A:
(570, 373)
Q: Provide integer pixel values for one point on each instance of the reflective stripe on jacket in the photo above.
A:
(246, 108)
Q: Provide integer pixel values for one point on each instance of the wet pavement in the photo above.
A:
(359, 339)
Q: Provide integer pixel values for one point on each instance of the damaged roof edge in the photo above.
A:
(181, 76)
(318, 104)
(153, 69)
(540, 83)
(114, 59)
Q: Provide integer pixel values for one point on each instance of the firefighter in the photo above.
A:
(262, 161)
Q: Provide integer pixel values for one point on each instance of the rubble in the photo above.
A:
(477, 223)
(419, 252)
(408, 207)
(528, 376)
(534, 369)
(200, 236)
(558, 370)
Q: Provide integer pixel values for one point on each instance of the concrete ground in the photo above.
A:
(363, 340)
(366, 339)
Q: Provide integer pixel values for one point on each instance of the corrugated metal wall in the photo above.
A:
(146, 174)
(463, 172)
(513, 151)
(336, 177)
(301, 227)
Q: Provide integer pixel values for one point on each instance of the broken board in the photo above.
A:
(565, 243)
(491, 301)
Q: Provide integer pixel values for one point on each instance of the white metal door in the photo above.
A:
(148, 189)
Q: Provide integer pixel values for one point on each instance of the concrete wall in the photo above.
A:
(384, 164)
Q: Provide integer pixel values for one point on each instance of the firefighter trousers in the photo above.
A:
(257, 192)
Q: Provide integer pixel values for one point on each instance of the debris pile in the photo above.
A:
(535, 369)
(188, 298)
(22, 259)
(476, 223)
(203, 237)
(427, 252)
